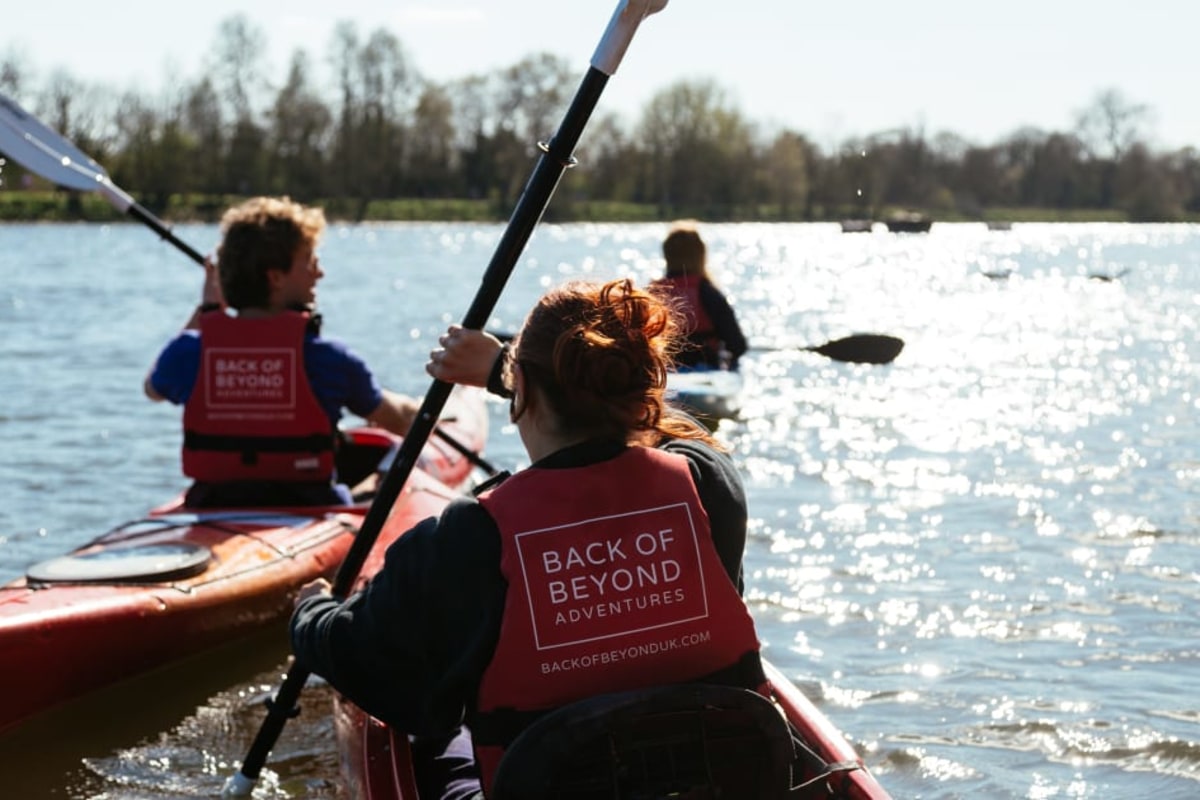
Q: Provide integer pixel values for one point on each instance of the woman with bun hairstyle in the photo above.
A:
(612, 562)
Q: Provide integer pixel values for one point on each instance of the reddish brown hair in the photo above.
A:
(600, 354)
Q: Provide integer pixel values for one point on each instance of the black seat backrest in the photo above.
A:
(685, 742)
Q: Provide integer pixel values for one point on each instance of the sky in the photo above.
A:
(830, 70)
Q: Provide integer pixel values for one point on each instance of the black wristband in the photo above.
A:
(204, 308)
(495, 381)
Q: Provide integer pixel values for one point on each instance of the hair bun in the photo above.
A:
(615, 371)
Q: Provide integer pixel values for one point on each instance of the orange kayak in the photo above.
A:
(178, 582)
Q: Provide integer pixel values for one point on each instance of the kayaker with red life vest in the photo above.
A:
(714, 338)
(613, 562)
(262, 389)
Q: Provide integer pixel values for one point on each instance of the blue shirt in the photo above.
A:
(339, 378)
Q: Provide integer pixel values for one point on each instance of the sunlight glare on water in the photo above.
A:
(980, 560)
(1015, 413)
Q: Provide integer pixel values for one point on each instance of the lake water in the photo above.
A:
(981, 561)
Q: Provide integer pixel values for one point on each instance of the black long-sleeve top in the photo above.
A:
(724, 320)
(412, 646)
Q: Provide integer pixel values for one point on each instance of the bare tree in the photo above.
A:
(202, 116)
(300, 132)
(15, 71)
(695, 139)
(532, 94)
(432, 160)
(236, 62)
(82, 112)
(347, 155)
(389, 90)
(1111, 124)
(474, 103)
(613, 166)
(390, 83)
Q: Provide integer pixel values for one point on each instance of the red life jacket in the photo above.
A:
(705, 344)
(686, 290)
(252, 414)
(613, 583)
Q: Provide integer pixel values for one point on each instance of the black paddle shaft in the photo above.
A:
(555, 159)
(139, 212)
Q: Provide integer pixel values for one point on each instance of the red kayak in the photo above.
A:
(688, 741)
(178, 582)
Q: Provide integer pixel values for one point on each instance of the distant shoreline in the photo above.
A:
(61, 206)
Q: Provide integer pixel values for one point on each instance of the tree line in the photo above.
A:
(370, 128)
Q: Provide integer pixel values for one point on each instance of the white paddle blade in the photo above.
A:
(621, 27)
(33, 145)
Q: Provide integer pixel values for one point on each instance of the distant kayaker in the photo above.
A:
(262, 389)
(715, 339)
(613, 562)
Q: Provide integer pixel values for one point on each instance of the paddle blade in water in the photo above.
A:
(862, 348)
